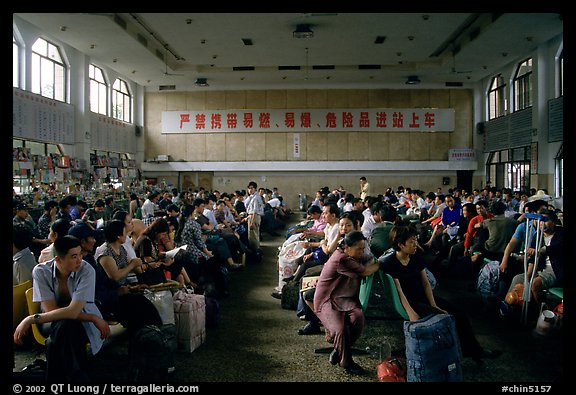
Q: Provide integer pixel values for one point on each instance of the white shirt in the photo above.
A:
(148, 208)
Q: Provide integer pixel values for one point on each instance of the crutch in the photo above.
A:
(528, 280)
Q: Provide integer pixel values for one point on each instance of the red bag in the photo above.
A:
(391, 370)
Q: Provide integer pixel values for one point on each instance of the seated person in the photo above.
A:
(349, 221)
(407, 268)
(23, 259)
(151, 247)
(336, 300)
(314, 232)
(58, 228)
(133, 310)
(65, 287)
(95, 214)
(550, 271)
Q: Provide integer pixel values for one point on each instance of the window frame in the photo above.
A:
(510, 168)
(57, 83)
(123, 111)
(497, 99)
(523, 86)
(101, 86)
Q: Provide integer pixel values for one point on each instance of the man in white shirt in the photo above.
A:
(149, 205)
(255, 210)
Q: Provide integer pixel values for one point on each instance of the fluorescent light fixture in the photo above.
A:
(201, 82)
(303, 31)
(413, 80)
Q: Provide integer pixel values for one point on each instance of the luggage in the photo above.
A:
(190, 317)
(212, 312)
(289, 300)
(288, 258)
(164, 304)
(490, 287)
(432, 349)
(151, 353)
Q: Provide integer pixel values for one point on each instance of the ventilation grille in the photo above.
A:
(167, 87)
(142, 40)
(369, 67)
(120, 22)
(243, 68)
(289, 67)
(324, 67)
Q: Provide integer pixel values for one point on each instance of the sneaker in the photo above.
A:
(309, 329)
(276, 295)
(334, 357)
(235, 267)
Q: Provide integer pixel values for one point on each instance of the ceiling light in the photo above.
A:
(413, 80)
(303, 31)
(201, 82)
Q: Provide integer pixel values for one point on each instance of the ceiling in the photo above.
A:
(347, 50)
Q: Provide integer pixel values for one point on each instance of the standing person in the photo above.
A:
(134, 205)
(336, 301)
(364, 188)
(407, 268)
(255, 210)
(150, 204)
(65, 287)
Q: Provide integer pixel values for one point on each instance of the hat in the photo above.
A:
(540, 195)
(82, 231)
(22, 206)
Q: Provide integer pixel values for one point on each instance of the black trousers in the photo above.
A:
(66, 354)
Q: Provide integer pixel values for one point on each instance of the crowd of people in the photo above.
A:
(90, 265)
(408, 234)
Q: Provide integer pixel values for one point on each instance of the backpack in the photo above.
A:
(138, 213)
(290, 293)
(489, 285)
(151, 353)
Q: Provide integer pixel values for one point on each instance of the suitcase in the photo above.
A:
(433, 349)
(190, 317)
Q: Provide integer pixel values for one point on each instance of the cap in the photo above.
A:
(22, 206)
(82, 231)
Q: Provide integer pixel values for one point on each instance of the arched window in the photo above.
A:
(48, 71)
(98, 90)
(523, 85)
(497, 103)
(15, 63)
(121, 101)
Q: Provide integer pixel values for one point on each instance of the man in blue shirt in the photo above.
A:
(65, 287)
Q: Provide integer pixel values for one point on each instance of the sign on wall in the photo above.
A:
(40, 118)
(304, 120)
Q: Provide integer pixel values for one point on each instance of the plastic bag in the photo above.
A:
(392, 370)
(164, 303)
